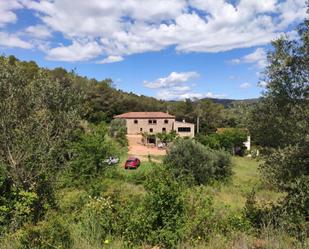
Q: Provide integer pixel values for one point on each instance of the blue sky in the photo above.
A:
(169, 49)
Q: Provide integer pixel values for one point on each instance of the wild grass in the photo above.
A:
(229, 199)
(246, 177)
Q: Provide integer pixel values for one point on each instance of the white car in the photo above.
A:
(111, 160)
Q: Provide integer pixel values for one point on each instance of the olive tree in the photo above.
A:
(37, 117)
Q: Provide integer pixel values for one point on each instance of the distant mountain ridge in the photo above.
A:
(228, 102)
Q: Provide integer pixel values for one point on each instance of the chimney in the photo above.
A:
(183, 120)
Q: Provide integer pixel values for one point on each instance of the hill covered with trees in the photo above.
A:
(102, 101)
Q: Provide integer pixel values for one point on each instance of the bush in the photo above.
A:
(283, 166)
(293, 211)
(37, 116)
(118, 130)
(97, 220)
(49, 234)
(159, 217)
(189, 158)
(90, 151)
(18, 206)
(229, 139)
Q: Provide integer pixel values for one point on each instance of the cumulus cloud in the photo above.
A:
(178, 86)
(133, 26)
(6, 11)
(245, 85)
(111, 59)
(38, 31)
(171, 94)
(13, 41)
(173, 80)
(77, 51)
(258, 57)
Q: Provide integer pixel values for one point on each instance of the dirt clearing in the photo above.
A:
(136, 148)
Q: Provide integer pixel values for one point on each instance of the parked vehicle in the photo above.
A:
(112, 160)
(132, 163)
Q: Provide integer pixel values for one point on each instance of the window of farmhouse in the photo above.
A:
(151, 130)
(163, 129)
(135, 121)
(184, 129)
(166, 121)
(152, 121)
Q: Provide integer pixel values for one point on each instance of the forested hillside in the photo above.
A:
(102, 101)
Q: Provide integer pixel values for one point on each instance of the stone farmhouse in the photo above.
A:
(155, 122)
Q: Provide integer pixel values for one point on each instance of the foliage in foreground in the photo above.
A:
(37, 118)
(89, 152)
(280, 122)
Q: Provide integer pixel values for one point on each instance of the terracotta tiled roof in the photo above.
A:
(144, 115)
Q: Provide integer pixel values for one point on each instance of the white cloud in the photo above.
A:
(173, 80)
(257, 57)
(38, 31)
(178, 86)
(235, 61)
(6, 11)
(233, 77)
(76, 52)
(245, 85)
(292, 11)
(168, 94)
(111, 59)
(13, 41)
(133, 26)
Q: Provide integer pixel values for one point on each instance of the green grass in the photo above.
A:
(246, 177)
(231, 194)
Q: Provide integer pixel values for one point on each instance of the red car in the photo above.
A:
(132, 163)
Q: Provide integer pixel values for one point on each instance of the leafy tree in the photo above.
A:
(37, 117)
(90, 151)
(282, 116)
(189, 158)
(283, 166)
(167, 137)
(237, 114)
(118, 130)
(281, 121)
(165, 207)
(229, 139)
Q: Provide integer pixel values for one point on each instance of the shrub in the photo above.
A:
(97, 220)
(118, 130)
(18, 206)
(229, 139)
(159, 217)
(187, 157)
(37, 116)
(49, 234)
(283, 166)
(90, 151)
(293, 211)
